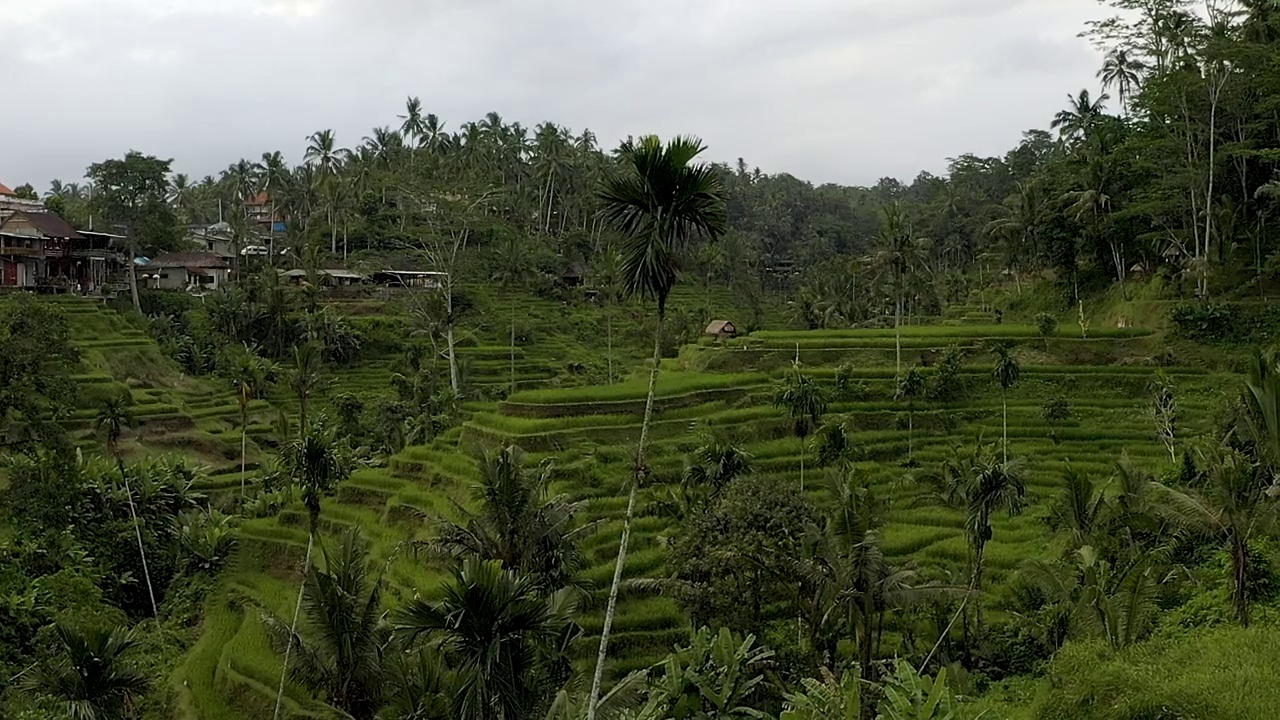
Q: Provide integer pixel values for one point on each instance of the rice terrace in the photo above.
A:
(500, 422)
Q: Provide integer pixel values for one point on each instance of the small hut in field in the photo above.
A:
(721, 330)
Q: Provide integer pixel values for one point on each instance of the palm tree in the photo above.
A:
(1079, 119)
(851, 585)
(1260, 424)
(117, 414)
(315, 462)
(249, 376)
(413, 129)
(518, 523)
(323, 153)
(507, 642)
(1081, 509)
(1006, 373)
(900, 254)
(91, 679)
(911, 387)
(513, 269)
(1233, 501)
(805, 402)
(343, 648)
(305, 378)
(980, 485)
(658, 201)
(1122, 71)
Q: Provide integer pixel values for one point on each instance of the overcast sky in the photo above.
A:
(841, 91)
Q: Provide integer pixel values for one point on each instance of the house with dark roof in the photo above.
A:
(191, 271)
(33, 245)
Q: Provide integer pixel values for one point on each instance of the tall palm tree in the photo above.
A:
(316, 462)
(910, 387)
(305, 378)
(512, 271)
(1081, 116)
(1122, 71)
(1260, 424)
(519, 523)
(413, 129)
(805, 402)
(323, 153)
(899, 254)
(980, 485)
(115, 415)
(658, 201)
(507, 642)
(1233, 501)
(343, 648)
(91, 678)
(1006, 373)
(850, 584)
(250, 377)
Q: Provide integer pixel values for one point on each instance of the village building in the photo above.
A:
(35, 250)
(425, 279)
(192, 271)
(721, 330)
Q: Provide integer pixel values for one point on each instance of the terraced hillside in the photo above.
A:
(590, 431)
(198, 418)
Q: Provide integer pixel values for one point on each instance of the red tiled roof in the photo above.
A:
(4, 190)
(259, 199)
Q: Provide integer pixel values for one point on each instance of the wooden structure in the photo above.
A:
(187, 271)
(35, 250)
(721, 330)
(425, 279)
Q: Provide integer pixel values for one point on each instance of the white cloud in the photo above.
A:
(829, 90)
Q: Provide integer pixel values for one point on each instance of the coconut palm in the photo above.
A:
(519, 523)
(1260, 424)
(323, 153)
(316, 462)
(250, 376)
(508, 644)
(899, 254)
(805, 402)
(658, 201)
(1234, 501)
(91, 677)
(305, 378)
(849, 583)
(413, 128)
(512, 271)
(1122, 71)
(342, 650)
(980, 485)
(911, 387)
(1006, 373)
(117, 414)
(1081, 116)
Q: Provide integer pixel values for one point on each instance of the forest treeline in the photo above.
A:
(1168, 167)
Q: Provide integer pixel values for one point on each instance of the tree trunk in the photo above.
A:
(1004, 423)
(244, 434)
(640, 472)
(608, 324)
(867, 706)
(137, 533)
(911, 433)
(977, 581)
(133, 280)
(897, 337)
(513, 346)
(1240, 567)
(454, 380)
(293, 627)
(802, 449)
(302, 415)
